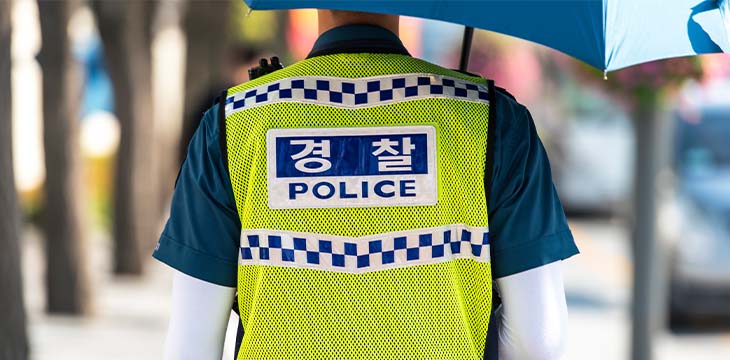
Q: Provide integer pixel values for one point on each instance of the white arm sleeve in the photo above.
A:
(198, 319)
(533, 323)
(534, 316)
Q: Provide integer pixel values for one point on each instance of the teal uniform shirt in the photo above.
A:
(527, 223)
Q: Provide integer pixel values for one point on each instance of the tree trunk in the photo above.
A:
(206, 30)
(13, 336)
(124, 30)
(66, 278)
(168, 105)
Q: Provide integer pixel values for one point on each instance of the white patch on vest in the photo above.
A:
(351, 167)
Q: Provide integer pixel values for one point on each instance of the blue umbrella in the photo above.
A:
(607, 34)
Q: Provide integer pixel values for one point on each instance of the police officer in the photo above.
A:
(361, 203)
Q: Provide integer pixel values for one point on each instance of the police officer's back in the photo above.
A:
(363, 182)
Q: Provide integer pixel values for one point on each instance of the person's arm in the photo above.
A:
(529, 237)
(199, 313)
(534, 314)
(200, 242)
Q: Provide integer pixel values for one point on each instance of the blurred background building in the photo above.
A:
(100, 126)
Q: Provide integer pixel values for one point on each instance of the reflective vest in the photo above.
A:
(359, 182)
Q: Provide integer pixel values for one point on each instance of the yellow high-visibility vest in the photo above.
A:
(359, 182)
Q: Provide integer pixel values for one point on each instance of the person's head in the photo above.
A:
(329, 19)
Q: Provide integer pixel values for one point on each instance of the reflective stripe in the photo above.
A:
(358, 92)
(364, 254)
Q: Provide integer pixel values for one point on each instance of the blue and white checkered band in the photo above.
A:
(357, 93)
(364, 254)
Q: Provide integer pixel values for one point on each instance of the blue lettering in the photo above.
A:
(296, 188)
(343, 192)
(326, 190)
(379, 188)
(404, 187)
(319, 195)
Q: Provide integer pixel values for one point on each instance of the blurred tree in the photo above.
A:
(125, 29)
(217, 34)
(13, 336)
(66, 277)
(167, 47)
(206, 27)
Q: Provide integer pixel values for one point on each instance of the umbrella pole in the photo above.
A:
(466, 48)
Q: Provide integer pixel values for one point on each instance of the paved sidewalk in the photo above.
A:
(598, 290)
(129, 319)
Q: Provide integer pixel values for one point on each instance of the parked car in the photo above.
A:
(699, 284)
(592, 159)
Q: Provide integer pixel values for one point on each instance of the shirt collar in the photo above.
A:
(357, 38)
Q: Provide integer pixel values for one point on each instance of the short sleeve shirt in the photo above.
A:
(527, 223)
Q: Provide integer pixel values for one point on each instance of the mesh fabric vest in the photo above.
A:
(363, 282)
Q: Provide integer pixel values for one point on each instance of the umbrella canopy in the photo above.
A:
(607, 34)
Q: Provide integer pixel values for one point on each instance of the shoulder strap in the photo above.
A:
(489, 161)
(492, 341)
(224, 153)
(222, 126)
